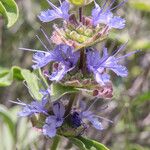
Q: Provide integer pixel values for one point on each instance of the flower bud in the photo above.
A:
(88, 32)
(74, 35)
(80, 2)
(81, 29)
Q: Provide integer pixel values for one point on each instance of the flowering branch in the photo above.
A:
(76, 67)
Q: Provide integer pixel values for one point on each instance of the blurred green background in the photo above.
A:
(129, 109)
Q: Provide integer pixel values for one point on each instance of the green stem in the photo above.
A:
(55, 143)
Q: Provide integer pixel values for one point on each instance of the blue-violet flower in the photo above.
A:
(54, 121)
(63, 55)
(101, 16)
(57, 12)
(34, 107)
(98, 65)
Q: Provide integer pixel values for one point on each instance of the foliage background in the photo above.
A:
(129, 109)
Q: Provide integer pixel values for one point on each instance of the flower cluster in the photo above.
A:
(75, 64)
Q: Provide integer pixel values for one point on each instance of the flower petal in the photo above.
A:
(58, 109)
(102, 78)
(34, 107)
(117, 23)
(48, 15)
(95, 122)
(65, 10)
(49, 130)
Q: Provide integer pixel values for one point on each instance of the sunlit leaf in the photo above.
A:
(58, 90)
(78, 143)
(9, 10)
(8, 75)
(32, 83)
(90, 144)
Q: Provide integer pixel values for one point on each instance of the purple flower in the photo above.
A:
(98, 65)
(78, 117)
(54, 121)
(57, 12)
(63, 55)
(34, 107)
(90, 116)
(104, 16)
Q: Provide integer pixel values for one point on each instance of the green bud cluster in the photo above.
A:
(79, 36)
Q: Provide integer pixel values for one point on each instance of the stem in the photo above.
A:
(80, 14)
(82, 64)
(55, 143)
(71, 102)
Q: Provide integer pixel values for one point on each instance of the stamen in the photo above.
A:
(47, 38)
(92, 104)
(42, 43)
(19, 103)
(119, 5)
(104, 118)
(103, 6)
(53, 6)
(122, 47)
(129, 54)
(108, 9)
(32, 50)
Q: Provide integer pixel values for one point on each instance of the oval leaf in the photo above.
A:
(90, 144)
(9, 10)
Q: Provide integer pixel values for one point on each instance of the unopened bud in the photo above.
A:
(81, 29)
(88, 32)
(74, 35)
(82, 38)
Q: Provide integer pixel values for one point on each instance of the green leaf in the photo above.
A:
(90, 144)
(9, 9)
(58, 90)
(4, 115)
(8, 75)
(32, 83)
(78, 143)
